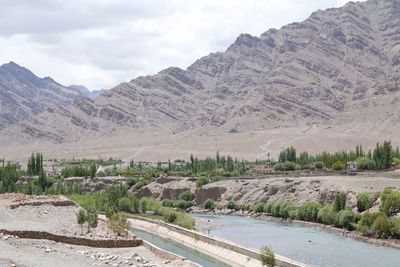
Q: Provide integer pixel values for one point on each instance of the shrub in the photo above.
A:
(381, 226)
(209, 204)
(81, 217)
(202, 181)
(319, 165)
(365, 163)
(91, 217)
(125, 204)
(338, 166)
(340, 202)
(327, 215)
(364, 201)
(286, 166)
(309, 211)
(170, 217)
(119, 224)
(167, 203)
(232, 205)
(283, 209)
(294, 214)
(390, 201)
(258, 208)
(345, 219)
(186, 196)
(144, 204)
(267, 257)
(110, 211)
(136, 205)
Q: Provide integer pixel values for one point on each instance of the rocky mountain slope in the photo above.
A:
(315, 71)
(23, 94)
(86, 92)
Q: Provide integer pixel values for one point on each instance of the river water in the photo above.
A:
(315, 247)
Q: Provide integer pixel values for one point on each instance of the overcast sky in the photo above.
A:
(101, 43)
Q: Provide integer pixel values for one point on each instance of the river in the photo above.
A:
(312, 246)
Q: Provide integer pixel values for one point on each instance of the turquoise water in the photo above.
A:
(312, 246)
(179, 249)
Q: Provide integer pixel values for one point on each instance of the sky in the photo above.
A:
(101, 43)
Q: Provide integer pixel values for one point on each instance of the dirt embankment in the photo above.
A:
(295, 189)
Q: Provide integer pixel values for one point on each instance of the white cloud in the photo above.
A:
(100, 43)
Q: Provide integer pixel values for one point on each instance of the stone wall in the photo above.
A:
(73, 240)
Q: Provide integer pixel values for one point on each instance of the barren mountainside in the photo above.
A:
(330, 66)
(23, 95)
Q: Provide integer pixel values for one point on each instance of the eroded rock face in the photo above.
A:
(23, 94)
(212, 192)
(172, 193)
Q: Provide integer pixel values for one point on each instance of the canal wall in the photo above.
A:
(225, 251)
(168, 255)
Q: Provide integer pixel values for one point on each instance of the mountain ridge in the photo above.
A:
(306, 72)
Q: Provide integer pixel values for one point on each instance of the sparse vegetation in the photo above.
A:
(267, 257)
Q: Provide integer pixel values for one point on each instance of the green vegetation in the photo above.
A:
(119, 224)
(232, 205)
(382, 157)
(209, 204)
(35, 164)
(309, 211)
(364, 201)
(390, 201)
(117, 199)
(340, 202)
(267, 257)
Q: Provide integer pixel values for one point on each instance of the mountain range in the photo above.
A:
(338, 67)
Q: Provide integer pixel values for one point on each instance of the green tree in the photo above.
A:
(340, 202)
(338, 165)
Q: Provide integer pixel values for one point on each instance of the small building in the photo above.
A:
(352, 166)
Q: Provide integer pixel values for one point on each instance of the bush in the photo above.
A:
(267, 257)
(309, 211)
(286, 166)
(186, 196)
(338, 166)
(381, 226)
(232, 205)
(365, 163)
(81, 216)
(182, 204)
(364, 202)
(209, 204)
(327, 215)
(125, 204)
(258, 208)
(119, 224)
(91, 218)
(202, 181)
(170, 217)
(136, 205)
(345, 219)
(110, 211)
(144, 204)
(340, 202)
(167, 203)
(319, 165)
(390, 201)
(377, 224)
